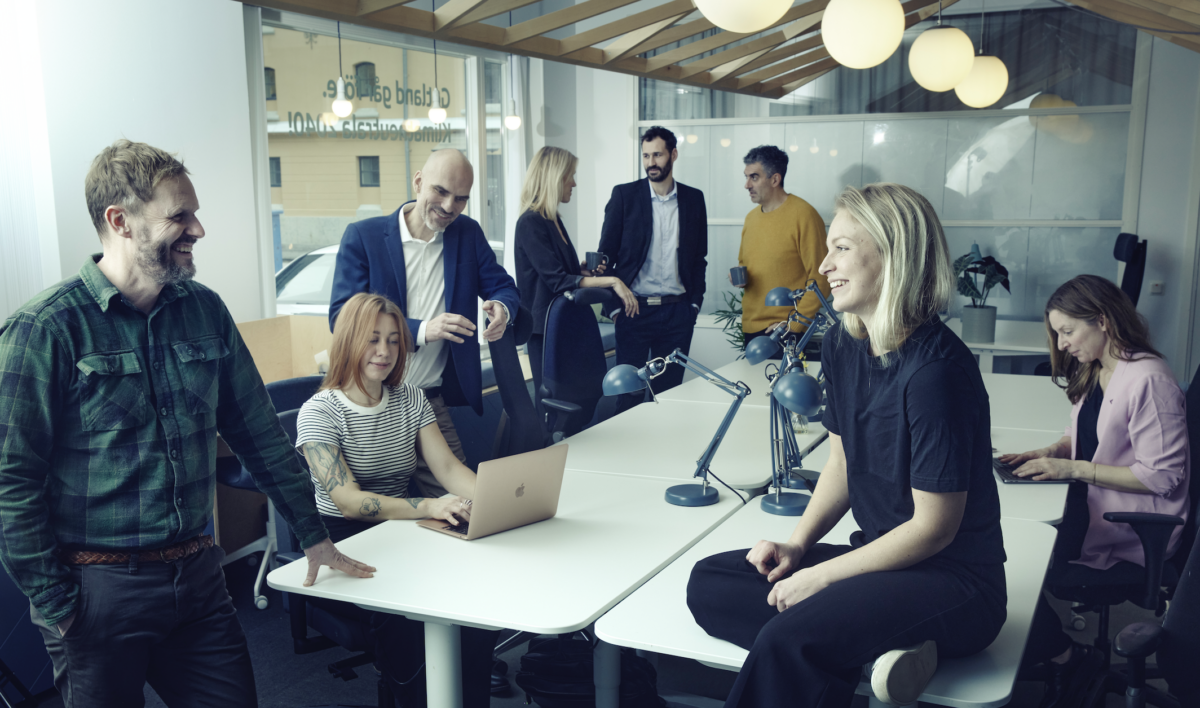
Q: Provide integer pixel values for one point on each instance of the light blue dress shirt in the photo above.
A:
(660, 272)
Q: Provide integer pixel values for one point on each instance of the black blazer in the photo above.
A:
(545, 265)
(629, 228)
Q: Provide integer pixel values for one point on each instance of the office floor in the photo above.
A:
(286, 680)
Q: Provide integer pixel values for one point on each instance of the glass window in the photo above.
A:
(364, 79)
(269, 78)
(368, 171)
(307, 281)
(276, 174)
(494, 92)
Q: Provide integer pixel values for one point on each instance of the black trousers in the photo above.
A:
(400, 645)
(655, 332)
(1047, 639)
(812, 655)
(171, 625)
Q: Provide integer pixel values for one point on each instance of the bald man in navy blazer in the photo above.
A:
(435, 264)
(656, 235)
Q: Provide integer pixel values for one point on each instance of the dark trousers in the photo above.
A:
(1047, 639)
(812, 655)
(171, 625)
(655, 332)
(400, 644)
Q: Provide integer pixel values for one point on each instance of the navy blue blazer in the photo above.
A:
(371, 259)
(629, 227)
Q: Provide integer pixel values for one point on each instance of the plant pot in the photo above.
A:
(979, 324)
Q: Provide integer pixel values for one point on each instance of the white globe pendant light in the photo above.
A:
(745, 16)
(860, 34)
(986, 83)
(941, 58)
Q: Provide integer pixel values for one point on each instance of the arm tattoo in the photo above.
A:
(415, 501)
(326, 461)
(370, 507)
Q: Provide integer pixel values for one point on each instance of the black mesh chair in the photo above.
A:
(573, 361)
(520, 429)
(1133, 253)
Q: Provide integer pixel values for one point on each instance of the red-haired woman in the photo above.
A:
(360, 434)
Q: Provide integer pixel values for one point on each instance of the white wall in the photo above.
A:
(172, 74)
(1167, 205)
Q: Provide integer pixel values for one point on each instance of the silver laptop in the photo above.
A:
(510, 492)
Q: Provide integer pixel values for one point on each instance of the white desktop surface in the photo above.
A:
(609, 536)
(656, 618)
(665, 440)
(1029, 402)
(1029, 502)
(753, 375)
(1013, 338)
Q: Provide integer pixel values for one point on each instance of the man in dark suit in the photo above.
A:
(656, 234)
(435, 264)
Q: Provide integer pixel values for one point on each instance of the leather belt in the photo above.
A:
(183, 549)
(661, 299)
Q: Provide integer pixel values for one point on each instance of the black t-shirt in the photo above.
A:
(921, 423)
(1085, 426)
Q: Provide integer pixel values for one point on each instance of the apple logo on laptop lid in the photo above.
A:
(521, 490)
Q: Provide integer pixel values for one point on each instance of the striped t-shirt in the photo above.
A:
(379, 443)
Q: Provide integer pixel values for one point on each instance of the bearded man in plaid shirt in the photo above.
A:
(113, 386)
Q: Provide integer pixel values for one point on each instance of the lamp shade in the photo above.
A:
(798, 392)
(622, 378)
(437, 115)
(342, 107)
(860, 34)
(759, 350)
(779, 297)
(744, 17)
(941, 58)
(986, 84)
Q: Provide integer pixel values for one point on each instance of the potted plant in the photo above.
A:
(976, 277)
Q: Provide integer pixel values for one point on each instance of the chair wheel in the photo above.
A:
(252, 560)
(1078, 623)
(261, 602)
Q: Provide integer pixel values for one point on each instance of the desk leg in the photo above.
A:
(986, 361)
(607, 674)
(443, 665)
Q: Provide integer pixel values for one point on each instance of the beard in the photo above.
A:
(156, 262)
(663, 172)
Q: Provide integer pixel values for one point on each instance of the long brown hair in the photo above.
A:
(1090, 297)
(352, 336)
(542, 191)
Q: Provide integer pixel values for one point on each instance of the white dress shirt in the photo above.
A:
(425, 273)
(660, 272)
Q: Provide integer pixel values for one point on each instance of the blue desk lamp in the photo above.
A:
(628, 379)
(791, 389)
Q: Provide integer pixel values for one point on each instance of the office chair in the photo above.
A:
(337, 623)
(286, 395)
(1133, 252)
(7, 677)
(1149, 587)
(520, 429)
(1176, 644)
(573, 363)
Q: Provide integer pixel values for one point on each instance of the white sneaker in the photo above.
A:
(900, 676)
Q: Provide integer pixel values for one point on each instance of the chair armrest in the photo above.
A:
(591, 296)
(1154, 531)
(557, 413)
(1138, 641)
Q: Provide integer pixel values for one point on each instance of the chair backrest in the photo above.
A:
(1133, 252)
(286, 539)
(520, 430)
(1179, 654)
(290, 394)
(573, 364)
(1192, 401)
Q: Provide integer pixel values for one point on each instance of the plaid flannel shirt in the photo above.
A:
(108, 426)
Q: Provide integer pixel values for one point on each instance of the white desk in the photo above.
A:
(656, 618)
(1029, 502)
(664, 440)
(754, 376)
(1028, 402)
(610, 535)
(1013, 338)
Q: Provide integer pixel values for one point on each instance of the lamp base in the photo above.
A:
(785, 503)
(795, 479)
(691, 495)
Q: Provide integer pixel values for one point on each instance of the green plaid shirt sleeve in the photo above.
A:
(108, 425)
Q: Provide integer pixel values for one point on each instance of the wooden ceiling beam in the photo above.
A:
(724, 70)
(624, 46)
(1188, 15)
(366, 7)
(788, 88)
(723, 38)
(450, 15)
(778, 54)
(561, 18)
(1132, 14)
(627, 25)
(493, 8)
(781, 68)
(760, 45)
(783, 81)
(675, 34)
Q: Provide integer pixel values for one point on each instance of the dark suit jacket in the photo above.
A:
(371, 259)
(629, 227)
(545, 265)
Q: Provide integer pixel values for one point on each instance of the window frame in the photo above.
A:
(361, 173)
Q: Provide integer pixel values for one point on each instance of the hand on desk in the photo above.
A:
(324, 553)
(1043, 468)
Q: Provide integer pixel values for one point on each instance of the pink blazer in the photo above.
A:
(1142, 426)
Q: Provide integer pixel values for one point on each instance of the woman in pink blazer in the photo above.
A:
(1126, 449)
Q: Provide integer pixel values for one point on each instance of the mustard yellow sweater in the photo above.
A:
(782, 248)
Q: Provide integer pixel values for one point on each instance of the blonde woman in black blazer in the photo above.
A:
(547, 263)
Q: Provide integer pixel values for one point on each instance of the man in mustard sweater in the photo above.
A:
(783, 243)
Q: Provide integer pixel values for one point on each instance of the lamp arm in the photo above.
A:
(711, 451)
(739, 389)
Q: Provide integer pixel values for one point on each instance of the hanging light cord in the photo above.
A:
(436, 87)
(982, 26)
(939, 13)
(339, 27)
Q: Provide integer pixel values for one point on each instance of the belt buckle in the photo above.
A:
(656, 300)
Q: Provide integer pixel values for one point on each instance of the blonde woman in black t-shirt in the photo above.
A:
(910, 457)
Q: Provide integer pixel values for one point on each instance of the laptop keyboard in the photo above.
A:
(461, 528)
(1005, 471)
